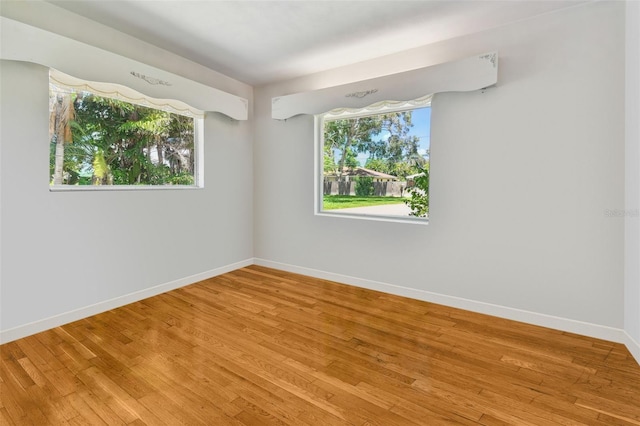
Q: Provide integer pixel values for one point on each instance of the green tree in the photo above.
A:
(116, 142)
(385, 138)
(377, 164)
(419, 194)
(349, 136)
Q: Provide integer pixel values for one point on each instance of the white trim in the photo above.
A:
(198, 138)
(67, 317)
(378, 108)
(377, 217)
(84, 188)
(61, 82)
(632, 345)
(22, 42)
(543, 320)
(473, 73)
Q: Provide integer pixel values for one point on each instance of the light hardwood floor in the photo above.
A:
(263, 347)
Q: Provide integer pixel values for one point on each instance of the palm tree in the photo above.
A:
(62, 113)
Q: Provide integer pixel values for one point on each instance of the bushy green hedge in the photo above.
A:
(364, 186)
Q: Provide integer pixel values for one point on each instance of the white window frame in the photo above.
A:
(375, 109)
(126, 94)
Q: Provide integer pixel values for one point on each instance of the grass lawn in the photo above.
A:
(332, 202)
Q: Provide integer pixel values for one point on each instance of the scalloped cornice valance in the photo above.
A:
(468, 74)
(22, 42)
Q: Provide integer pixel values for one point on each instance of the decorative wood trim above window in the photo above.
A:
(123, 93)
(468, 74)
(21, 42)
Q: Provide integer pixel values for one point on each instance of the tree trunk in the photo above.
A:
(64, 113)
(58, 171)
(343, 158)
(160, 149)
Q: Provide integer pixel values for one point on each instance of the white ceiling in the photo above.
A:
(260, 42)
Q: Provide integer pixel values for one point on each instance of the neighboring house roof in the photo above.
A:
(362, 172)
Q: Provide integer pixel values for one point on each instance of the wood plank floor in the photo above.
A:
(263, 347)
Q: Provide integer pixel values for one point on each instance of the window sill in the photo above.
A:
(379, 218)
(90, 188)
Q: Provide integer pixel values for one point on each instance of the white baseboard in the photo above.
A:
(543, 320)
(67, 317)
(550, 321)
(633, 346)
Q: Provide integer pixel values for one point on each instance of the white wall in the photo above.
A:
(632, 177)
(521, 178)
(69, 255)
(90, 251)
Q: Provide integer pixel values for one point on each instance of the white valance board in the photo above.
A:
(22, 42)
(468, 74)
(62, 81)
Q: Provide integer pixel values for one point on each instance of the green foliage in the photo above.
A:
(348, 137)
(182, 179)
(350, 159)
(329, 160)
(419, 195)
(118, 143)
(100, 168)
(364, 186)
(120, 177)
(377, 164)
(160, 175)
(385, 138)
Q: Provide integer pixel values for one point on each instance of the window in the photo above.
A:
(374, 162)
(107, 136)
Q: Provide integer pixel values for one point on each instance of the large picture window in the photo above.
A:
(375, 161)
(101, 138)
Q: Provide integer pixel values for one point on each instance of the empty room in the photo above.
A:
(225, 212)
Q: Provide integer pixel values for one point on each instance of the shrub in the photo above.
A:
(364, 187)
(419, 201)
